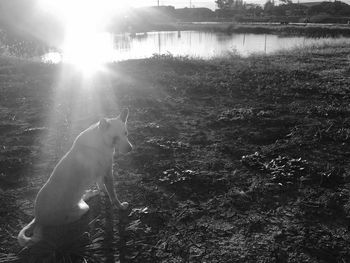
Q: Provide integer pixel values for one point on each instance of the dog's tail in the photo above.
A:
(25, 240)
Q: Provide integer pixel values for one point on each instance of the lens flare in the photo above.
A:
(88, 51)
(85, 45)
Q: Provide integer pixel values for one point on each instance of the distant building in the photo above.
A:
(251, 6)
(194, 14)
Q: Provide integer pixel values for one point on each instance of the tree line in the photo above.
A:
(284, 8)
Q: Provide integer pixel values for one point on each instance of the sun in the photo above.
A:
(85, 44)
(87, 51)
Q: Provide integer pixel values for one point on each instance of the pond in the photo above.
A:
(111, 48)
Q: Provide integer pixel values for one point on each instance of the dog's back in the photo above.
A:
(76, 172)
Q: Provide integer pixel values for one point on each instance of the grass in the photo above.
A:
(236, 159)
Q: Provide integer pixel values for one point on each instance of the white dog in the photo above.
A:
(89, 161)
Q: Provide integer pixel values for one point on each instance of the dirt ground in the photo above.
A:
(235, 159)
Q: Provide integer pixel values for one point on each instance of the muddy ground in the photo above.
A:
(235, 159)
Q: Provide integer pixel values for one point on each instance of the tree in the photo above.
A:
(238, 4)
(268, 7)
(224, 4)
(331, 8)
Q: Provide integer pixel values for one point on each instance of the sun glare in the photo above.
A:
(87, 51)
(85, 45)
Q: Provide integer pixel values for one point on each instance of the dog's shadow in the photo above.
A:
(92, 238)
(114, 239)
(108, 241)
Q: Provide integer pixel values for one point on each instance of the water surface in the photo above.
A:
(191, 43)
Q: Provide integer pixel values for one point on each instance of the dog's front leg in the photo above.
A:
(109, 185)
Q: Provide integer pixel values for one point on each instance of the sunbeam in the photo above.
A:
(85, 46)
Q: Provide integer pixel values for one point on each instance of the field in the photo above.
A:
(235, 159)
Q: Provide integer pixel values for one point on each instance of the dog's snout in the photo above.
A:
(126, 148)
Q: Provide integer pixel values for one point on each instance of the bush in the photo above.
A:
(326, 18)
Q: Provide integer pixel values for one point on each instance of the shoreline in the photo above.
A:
(27, 47)
(293, 29)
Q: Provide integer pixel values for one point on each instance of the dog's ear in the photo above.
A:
(124, 115)
(103, 124)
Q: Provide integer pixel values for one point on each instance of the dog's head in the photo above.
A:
(115, 133)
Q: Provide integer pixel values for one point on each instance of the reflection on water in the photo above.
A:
(194, 43)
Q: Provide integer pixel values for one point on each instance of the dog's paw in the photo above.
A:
(89, 194)
(122, 206)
